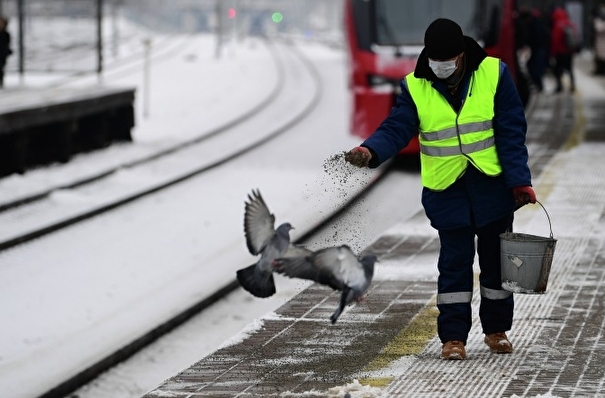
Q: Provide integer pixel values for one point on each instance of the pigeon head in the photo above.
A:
(284, 229)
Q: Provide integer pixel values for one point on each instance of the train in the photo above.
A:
(385, 37)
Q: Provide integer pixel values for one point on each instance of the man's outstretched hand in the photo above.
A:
(359, 156)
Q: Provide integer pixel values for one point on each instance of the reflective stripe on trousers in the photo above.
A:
(454, 298)
(466, 297)
(494, 294)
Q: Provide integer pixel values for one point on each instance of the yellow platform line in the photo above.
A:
(547, 180)
(411, 340)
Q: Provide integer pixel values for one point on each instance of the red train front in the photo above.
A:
(385, 37)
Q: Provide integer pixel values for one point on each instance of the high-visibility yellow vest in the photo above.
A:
(449, 140)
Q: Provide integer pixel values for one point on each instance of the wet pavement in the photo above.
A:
(388, 343)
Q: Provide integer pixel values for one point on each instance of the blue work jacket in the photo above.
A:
(475, 198)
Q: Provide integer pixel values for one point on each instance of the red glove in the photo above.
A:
(524, 195)
(359, 156)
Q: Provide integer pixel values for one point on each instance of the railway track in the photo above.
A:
(545, 144)
(73, 203)
(134, 347)
(37, 215)
(216, 151)
(158, 330)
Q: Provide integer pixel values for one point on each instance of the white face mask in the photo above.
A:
(443, 69)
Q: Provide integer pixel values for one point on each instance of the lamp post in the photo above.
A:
(219, 28)
(21, 12)
(99, 37)
(115, 4)
(146, 76)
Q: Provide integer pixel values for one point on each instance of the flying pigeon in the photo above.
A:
(262, 238)
(337, 267)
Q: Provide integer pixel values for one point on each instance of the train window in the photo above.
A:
(404, 22)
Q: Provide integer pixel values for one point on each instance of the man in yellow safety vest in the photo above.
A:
(471, 126)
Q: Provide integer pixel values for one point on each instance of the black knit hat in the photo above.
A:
(443, 39)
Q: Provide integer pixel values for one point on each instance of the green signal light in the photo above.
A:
(277, 17)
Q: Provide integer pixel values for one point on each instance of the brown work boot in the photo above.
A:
(453, 349)
(498, 343)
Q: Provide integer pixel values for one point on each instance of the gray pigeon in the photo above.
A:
(262, 238)
(337, 267)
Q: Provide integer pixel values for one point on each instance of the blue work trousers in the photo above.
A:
(455, 282)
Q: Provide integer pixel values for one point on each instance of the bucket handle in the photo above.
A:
(547, 216)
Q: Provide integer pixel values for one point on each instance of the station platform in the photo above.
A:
(387, 345)
(41, 125)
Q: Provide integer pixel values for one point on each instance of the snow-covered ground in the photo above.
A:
(75, 296)
(57, 297)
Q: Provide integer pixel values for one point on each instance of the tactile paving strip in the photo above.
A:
(298, 350)
(559, 346)
(558, 339)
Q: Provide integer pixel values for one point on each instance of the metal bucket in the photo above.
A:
(525, 260)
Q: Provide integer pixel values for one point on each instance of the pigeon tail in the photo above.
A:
(344, 300)
(347, 296)
(335, 315)
(258, 285)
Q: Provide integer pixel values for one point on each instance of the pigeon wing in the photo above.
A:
(317, 267)
(302, 266)
(297, 267)
(296, 251)
(259, 223)
(341, 264)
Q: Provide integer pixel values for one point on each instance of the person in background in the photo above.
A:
(471, 124)
(533, 36)
(599, 40)
(5, 47)
(560, 49)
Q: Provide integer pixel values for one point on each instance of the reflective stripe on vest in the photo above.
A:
(448, 140)
(451, 151)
